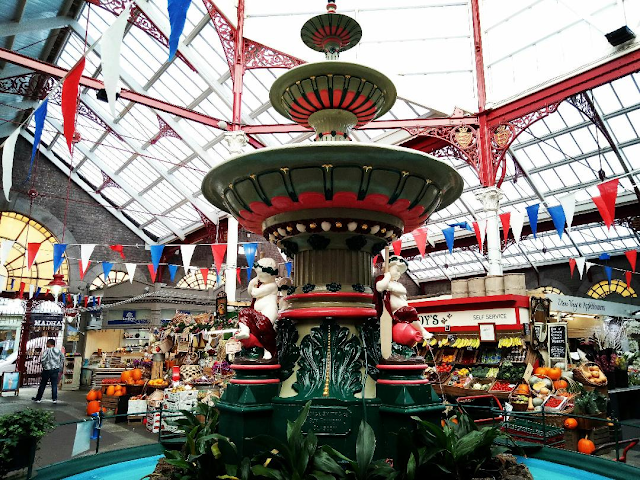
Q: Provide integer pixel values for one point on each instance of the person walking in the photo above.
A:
(52, 361)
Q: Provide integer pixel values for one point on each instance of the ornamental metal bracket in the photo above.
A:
(585, 105)
(140, 20)
(107, 182)
(256, 55)
(210, 227)
(165, 131)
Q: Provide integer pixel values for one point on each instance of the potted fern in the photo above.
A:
(21, 433)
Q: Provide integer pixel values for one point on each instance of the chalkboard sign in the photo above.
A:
(557, 335)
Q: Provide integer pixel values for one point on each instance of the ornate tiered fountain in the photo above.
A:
(330, 205)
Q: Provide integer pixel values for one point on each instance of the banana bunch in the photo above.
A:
(466, 342)
(508, 342)
(444, 342)
(433, 341)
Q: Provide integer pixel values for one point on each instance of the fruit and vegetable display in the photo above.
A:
(508, 342)
(510, 371)
(459, 378)
(554, 403)
(444, 368)
(449, 357)
(590, 374)
(502, 386)
(490, 357)
(158, 383)
(466, 342)
(468, 357)
(484, 372)
(479, 386)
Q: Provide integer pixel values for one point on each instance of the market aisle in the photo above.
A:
(57, 445)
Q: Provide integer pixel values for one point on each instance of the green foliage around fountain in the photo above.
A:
(458, 449)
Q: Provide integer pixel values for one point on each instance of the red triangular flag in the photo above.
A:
(99, 299)
(86, 301)
(627, 276)
(609, 193)
(375, 260)
(420, 236)
(218, 251)
(397, 247)
(632, 255)
(83, 270)
(118, 248)
(572, 265)
(22, 286)
(238, 276)
(604, 211)
(32, 251)
(69, 101)
(205, 274)
(152, 272)
(505, 219)
(476, 229)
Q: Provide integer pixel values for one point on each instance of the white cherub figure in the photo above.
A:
(394, 297)
(256, 324)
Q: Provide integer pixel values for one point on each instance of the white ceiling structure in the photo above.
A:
(146, 166)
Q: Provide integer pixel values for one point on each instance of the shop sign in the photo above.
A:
(557, 336)
(10, 382)
(48, 322)
(128, 318)
(469, 318)
(566, 303)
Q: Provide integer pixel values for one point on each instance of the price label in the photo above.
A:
(557, 335)
(232, 346)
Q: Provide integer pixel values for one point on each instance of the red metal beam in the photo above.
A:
(238, 67)
(57, 72)
(592, 78)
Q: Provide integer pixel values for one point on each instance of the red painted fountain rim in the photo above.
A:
(364, 296)
(420, 366)
(342, 312)
(268, 366)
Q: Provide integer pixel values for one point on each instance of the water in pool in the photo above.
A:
(136, 469)
(542, 470)
(131, 470)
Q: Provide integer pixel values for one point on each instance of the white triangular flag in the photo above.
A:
(75, 300)
(131, 270)
(110, 43)
(86, 250)
(568, 203)
(430, 239)
(482, 226)
(588, 265)
(580, 261)
(7, 245)
(517, 221)
(187, 252)
(32, 289)
(8, 149)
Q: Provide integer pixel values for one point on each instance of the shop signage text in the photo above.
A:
(499, 316)
(566, 303)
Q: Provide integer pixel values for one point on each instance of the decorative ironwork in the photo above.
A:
(107, 182)
(288, 350)
(30, 85)
(462, 140)
(256, 54)
(165, 131)
(210, 227)
(585, 106)
(140, 20)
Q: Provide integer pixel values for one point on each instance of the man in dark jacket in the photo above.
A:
(52, 361)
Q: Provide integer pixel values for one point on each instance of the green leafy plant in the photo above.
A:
(205, 454)
(590, 403)
(296, 459)
(363, 467)
(454, 451)
(20, 433)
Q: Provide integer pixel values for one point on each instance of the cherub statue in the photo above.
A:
(256, 324)
(394, 298)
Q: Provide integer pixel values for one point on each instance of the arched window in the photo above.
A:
(23, 230)
(195, 280)
(547, 289)
(603, 289)
(114, 278)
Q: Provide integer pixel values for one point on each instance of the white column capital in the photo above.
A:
(490, 198)
(236, 140)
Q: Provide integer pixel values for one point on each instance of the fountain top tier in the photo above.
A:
(332, 96)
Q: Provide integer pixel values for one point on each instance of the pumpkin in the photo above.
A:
(93, 407)
(99, 394)
(111, 390)
(554, 373)
(126, 375)
(136, 374)
(559, 384)
(541, 371)
(570, 424)
(523, 389)
(92, 395)
(586, 446)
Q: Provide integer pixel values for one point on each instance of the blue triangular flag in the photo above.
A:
(608, 272)
(156, 254)
(106, 269)
(39, 115)
(40, 288)
(448, 236)
(177, 17)
(250, 250)
(64, 299)
(288, 265)
(58, 250)
(464, 225)
(217, 279)
(13, 281)
(604, 256)
(532, 213)
(557, 215)
(172, 271)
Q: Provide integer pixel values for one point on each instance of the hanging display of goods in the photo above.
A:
(508, 342)
(466, 343)
(590, 374)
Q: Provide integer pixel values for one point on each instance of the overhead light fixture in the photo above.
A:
(620, 36)
(57, 284)
(102, 95)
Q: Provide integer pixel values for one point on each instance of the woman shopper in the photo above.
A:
(52, 361)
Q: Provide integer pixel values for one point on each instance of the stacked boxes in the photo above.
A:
(171, 405)
(153, 422)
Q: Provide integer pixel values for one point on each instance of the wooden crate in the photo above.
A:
(571, 438)
(600, 436)
(110, 402)
(136, 419)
